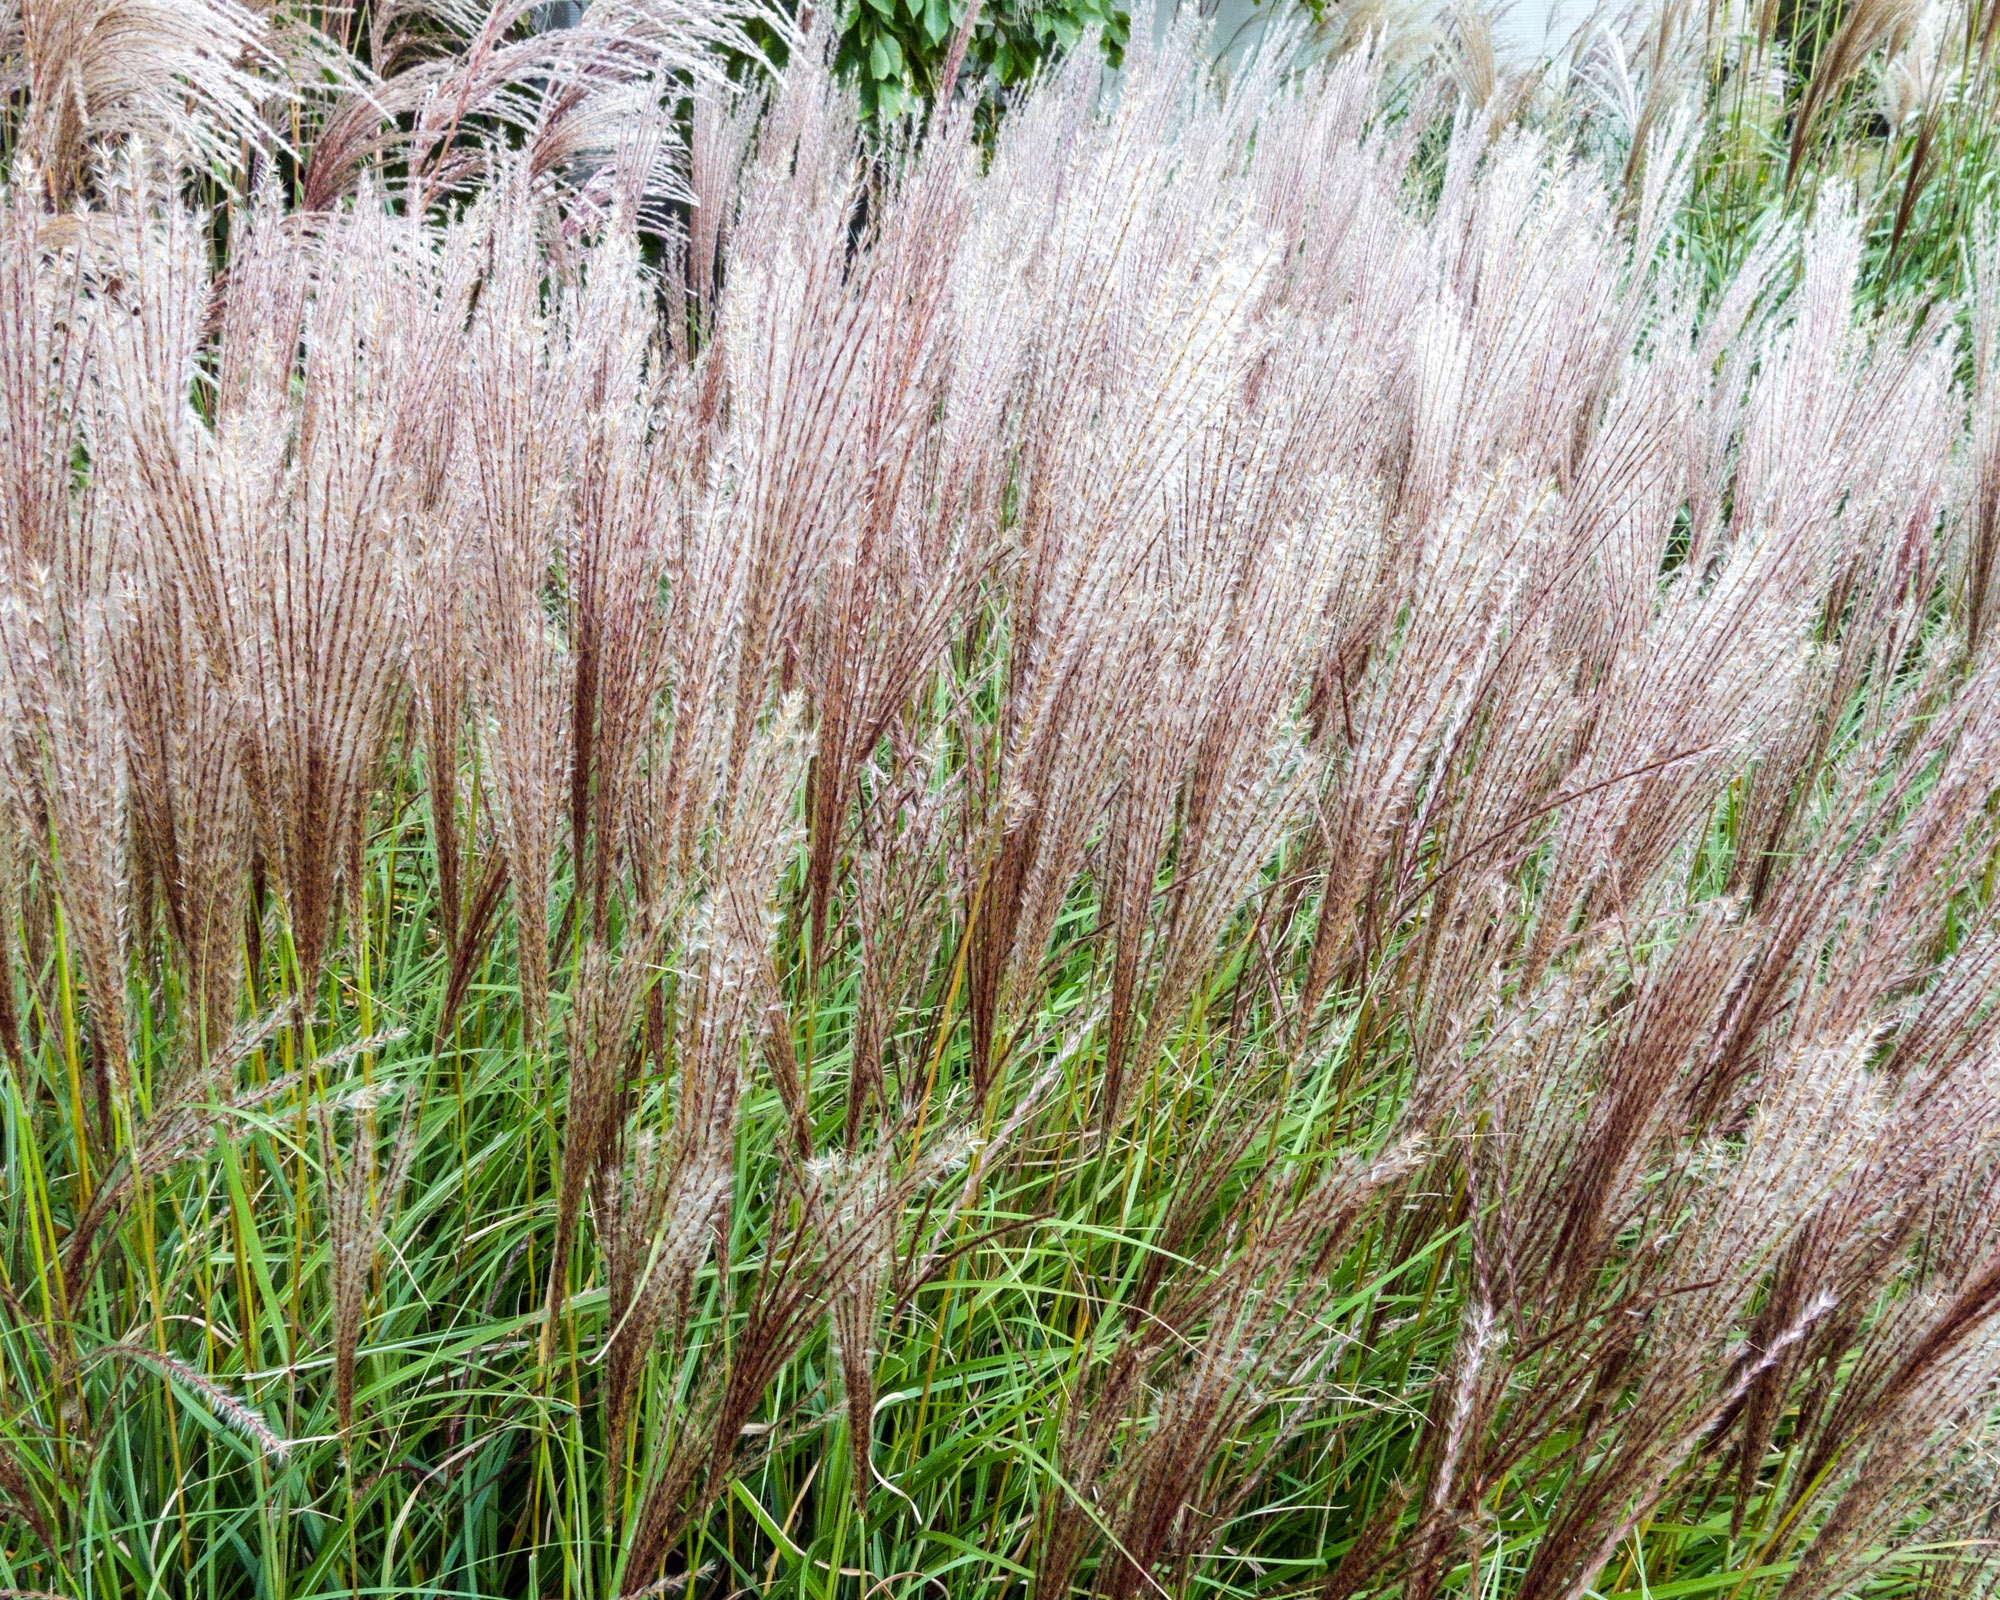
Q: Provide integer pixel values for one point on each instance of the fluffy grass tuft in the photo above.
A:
(1229, 843)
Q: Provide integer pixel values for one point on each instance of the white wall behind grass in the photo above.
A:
(1522, 29)
(1533, 28)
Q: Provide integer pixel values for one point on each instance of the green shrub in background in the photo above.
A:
(894, 50)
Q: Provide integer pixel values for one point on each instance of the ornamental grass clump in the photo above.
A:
(1210, 843)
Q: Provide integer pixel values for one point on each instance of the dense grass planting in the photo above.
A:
(1238, 841)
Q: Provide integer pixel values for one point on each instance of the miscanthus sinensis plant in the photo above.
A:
(1223, 851)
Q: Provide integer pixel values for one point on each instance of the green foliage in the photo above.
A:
(478, 1468)
(894, 50)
